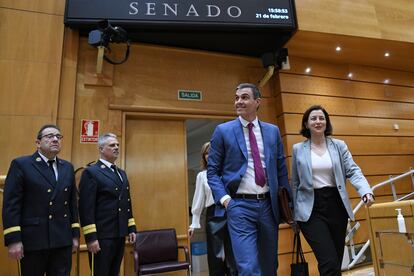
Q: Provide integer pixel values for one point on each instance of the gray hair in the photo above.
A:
(102, 139)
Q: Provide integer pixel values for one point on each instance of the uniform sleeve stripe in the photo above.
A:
(131, 222)
(11, 230)
(89, 228)
(75, 225)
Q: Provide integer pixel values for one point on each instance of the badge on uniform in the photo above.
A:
(38, 159)
(102, 166)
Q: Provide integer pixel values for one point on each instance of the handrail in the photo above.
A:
(359, 205)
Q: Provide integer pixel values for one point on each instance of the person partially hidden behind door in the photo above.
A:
(105, 209)
(219, 252)
(40, 211)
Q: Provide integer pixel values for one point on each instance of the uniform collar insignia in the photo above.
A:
(102, 166)
(38, 159)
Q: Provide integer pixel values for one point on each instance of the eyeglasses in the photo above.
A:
(51, 136)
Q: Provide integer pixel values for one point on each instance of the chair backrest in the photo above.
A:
(156, 246)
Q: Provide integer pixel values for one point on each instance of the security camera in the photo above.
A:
(106, 33)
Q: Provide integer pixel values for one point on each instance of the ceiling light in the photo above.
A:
(307, 70)
(387, 81)
(387, 54)
(338, 48)
(350, 75)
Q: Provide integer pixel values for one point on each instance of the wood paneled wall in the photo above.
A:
(392, 20)
(365, 113)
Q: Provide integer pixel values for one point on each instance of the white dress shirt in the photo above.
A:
(109, 164)
(54, 163)
(322, 170)
(248, 183)
(203, 198)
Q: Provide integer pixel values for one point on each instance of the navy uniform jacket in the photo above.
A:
(105, 204)
(37, 210)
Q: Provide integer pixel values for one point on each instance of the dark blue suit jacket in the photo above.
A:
(105, 204)
(227, 161)
(37, 211)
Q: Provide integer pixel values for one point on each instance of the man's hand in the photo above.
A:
(93, 246)
(132, 237)
(226, 202)
(75, 244)
(16, 250)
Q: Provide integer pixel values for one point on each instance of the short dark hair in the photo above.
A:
(39, 134)
(305, 131)
(254, 88)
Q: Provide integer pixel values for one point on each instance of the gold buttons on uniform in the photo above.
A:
(127, 187)
(129, 199)
(50, 216)
(49, 190)
(128, 210)
(119, 210)
(51, 203)
(66, 203)
(116, 189)
(66, 189)
(65, 215)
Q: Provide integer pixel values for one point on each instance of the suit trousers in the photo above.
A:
(254, 236)
(108, 260)
(218, 242)
(325, 230)
(53, 262)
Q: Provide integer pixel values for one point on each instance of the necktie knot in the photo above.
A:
(50, 162)
(113, 167)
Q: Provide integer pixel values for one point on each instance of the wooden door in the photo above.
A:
(156, 164)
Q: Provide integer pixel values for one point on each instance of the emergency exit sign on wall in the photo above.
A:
(190, 95)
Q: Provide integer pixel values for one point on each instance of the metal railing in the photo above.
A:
(351, 230)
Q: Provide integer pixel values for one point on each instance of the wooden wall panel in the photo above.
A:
(29, 36)
(292, 103)
(366, 145)
(345, 126)
(24, 89)
(363, 73)
(291, 83)
(375, 19)
(41, 6)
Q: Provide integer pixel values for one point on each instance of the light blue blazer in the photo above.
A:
(343, 167)
(227, 162)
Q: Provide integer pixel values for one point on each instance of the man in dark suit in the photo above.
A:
(105, 209)
(246, 166)
(40, 214)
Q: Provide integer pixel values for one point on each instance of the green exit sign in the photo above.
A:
(190, 95)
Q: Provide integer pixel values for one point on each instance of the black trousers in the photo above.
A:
(325, 230)
(218, 238)
(108, 260)
(53, 262)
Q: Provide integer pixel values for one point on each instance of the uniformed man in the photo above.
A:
(40, 214)
(105, 209)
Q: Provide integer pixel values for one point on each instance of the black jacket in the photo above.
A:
(105, 204)
(37, 210)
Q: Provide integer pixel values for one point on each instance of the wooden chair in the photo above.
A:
(156, 251)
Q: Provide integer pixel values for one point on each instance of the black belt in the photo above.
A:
(253, 196)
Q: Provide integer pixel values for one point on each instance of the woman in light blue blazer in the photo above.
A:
(320, 167)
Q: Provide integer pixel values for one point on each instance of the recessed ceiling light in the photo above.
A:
(307, 70)
(350, 75)
(338, 48)
(387, 54)
(387, 81)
